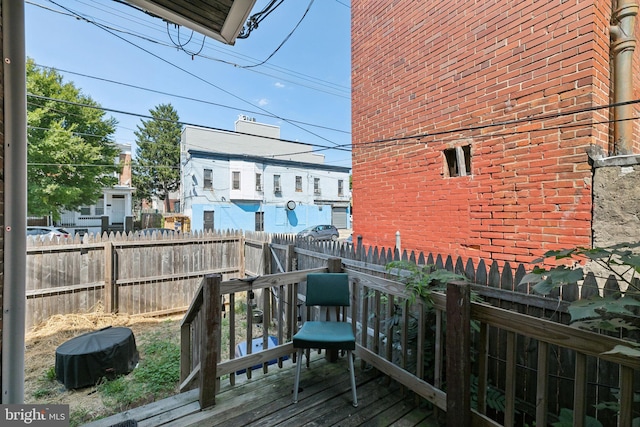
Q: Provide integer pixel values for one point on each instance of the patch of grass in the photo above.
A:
(41, 392)
(47, 385)
(79, 416)
(51, 373)
(156, 376)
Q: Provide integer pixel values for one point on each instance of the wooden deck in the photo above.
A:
(266, 400)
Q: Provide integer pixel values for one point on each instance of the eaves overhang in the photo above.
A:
(222, 20)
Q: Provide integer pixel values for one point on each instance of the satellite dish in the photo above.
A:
(291, 205)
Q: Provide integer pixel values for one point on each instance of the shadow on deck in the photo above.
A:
(266, 400)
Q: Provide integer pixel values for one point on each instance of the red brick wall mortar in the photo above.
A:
(426, 67)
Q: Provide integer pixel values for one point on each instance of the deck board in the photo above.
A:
(266, 400)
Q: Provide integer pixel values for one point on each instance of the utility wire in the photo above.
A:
(509, 123)
(255, 19)
(146, 116)
(313, 80)
(285, 39)
(381, 142)
(185, 97)
(188, 72)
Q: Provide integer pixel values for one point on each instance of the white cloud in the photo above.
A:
(279, 85)
(263, 101)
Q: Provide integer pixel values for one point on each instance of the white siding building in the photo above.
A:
(251, 180)
(111, 211)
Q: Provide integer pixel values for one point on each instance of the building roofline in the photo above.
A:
(268, 160)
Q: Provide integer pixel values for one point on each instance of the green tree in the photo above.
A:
(70, 150)
(156, 169)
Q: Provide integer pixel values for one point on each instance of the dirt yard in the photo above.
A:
(41, 344)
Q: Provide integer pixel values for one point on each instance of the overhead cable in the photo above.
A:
(238, 109)
(330, 86)
(146, 116)
(188, 72)
(283, 41)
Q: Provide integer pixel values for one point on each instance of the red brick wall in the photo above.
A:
(448, 70)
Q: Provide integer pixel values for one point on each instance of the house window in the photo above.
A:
(276, 184)
(235, 180)
(100, 207)
(258, 182)
(259, 221)
(340, 187)
(208, 179)
(316, 185)
(298, 183)
(208, 221)
(458, 160)
(85, 210)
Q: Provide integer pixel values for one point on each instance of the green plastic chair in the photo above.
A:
(326, 290)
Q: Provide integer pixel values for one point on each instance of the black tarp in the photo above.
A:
(84, 360)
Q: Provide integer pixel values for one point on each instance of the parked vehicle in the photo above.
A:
(47, 232)
(320, 232)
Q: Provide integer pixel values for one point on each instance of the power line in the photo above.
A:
(187, 72)
(83, 165)
(285, 39)
(185, 97)
(314, 80)
(406, 138)
(146, 116)
(255, 19)
(511, 122)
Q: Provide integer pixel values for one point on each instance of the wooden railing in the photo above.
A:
(392, 336)
(201, 345)
(380, 299)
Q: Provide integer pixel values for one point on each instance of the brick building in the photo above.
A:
(473, 121)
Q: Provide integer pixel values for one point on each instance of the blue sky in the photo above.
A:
(306, 84)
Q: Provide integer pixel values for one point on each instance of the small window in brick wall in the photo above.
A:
(458, 160)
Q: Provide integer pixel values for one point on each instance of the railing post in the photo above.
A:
(458, 354)
(334, 265)
(209, 348)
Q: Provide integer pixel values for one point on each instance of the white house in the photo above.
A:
(252, 180)
(111, 210)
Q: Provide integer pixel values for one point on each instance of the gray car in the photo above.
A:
(320, 232)
(47, 232)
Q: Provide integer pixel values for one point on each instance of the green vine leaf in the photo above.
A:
(596, 306)
(565, 419)
(546, 281)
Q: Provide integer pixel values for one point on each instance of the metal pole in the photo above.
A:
(15, 190)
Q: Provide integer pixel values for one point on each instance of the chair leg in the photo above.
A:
(353, 379)
(297, 380)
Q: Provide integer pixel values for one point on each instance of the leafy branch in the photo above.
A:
(620, 260)
(612, 312)
(421, 281)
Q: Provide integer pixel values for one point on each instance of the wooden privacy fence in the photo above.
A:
(129, 274)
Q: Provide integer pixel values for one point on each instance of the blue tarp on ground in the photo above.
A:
(257, 346)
